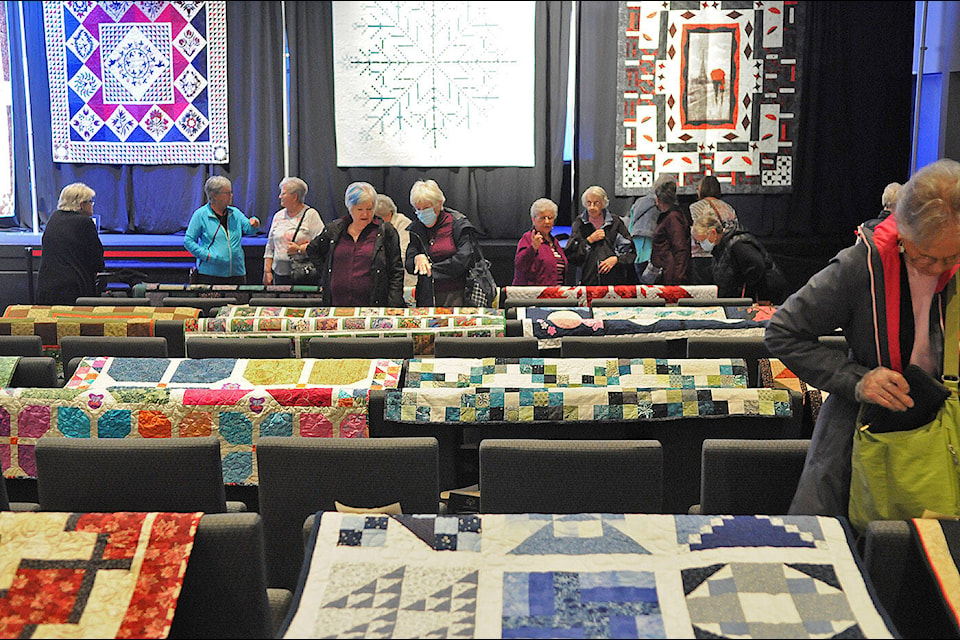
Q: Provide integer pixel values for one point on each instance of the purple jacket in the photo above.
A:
(536, 268)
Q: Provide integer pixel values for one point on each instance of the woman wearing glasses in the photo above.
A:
(72, 252)
(540, 260)
(886, 295)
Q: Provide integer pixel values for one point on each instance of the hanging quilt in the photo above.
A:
(138, 82)
(6, 122)
(708, 89)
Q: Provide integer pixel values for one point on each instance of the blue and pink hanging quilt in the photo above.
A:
(138, 82)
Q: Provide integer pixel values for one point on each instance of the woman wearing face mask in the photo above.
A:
(440, 251)
(742, 268)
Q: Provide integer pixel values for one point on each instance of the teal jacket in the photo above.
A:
(217, 249)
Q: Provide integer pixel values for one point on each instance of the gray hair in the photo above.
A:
(358, 193)
(594, 191)
(889, 197)
(427, 190)
(384, 206)
(666, 192)
(297, 187)
(542, 204)
(929, 203)
(707, 220)
(74, 195)
(215, 184)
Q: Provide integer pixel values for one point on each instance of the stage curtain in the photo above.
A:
(497, 200)
(159, 199)
(854, 135)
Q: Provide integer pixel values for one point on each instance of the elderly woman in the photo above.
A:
(540, 260)
(358, 255)
(72, 252)
(886, 295)
(386, 210)
(671, 238)
(214, 233)
(741, 265)
(600, 244)
(440, 251)
(291, 230)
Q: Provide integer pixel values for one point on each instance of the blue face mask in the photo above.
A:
(706, 245)
(427, 216)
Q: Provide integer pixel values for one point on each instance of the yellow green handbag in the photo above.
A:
(897, 475)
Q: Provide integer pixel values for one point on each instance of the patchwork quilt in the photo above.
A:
(118, 312)
(583, 575)
(539, 296)
(775, 375)
(550, 325)
(107, 373)
(92, 575)
(939, 545)
(383, 313)
(644, 373)
(579, 404)
(237, 416)
(8, 364)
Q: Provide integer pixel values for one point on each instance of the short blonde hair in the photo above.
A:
(297, 187)
(384, 205)
(707, 220)
(890, 193)
(595, 191)
(929, 203)
(427, 190)
(74, 195)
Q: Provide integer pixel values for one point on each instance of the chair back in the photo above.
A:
(750, 348)
(570, 476)
(265, 301)
(75, 347)
(300, 476)
(204, 347)
(112, 301)
(397, 348)
(21, 346)
(614, 347)
(715, 302)
(208, 306)
(130, 474)
(35, 372)
(484, 347)
(750, 477)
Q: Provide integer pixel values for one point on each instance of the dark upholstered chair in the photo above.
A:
(172, 330)
(715, 302)
(397, 348)
(208, 306)
(614, 347)
(571, 476)
(750, 348)
(6, 505)
(628, 302)
(74, 347)
(38, 372)
(300, 476)
(280, 301)
(466, 347)
(112, 301)
(203, 347)
(225, 592)
(130, 474)
(21, 346)
(749, 477)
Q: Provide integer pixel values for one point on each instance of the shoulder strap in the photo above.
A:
(951, 333)
(300, 222)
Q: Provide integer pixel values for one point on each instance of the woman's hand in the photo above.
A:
(887, 388)
(293, 248)
(596, 236)
(267, 277)
(536, 241)
(607, 264)
(421, 265)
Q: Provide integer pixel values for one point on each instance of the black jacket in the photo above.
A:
(72, 256)
(453, 268)
(386, 269)
(743, 268)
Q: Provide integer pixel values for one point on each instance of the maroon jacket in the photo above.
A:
(536, 268)
(671, 247)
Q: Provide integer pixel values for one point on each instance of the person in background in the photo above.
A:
(358, 255)
(214, 233)
(295, 216)
(889, 200)
(386, 210)
(741, 265)
(600, 244)
(72, 252)
(708, 199)
(643, 222)
(671, 239)
(540, 260)
(885, 293)
(441, 249)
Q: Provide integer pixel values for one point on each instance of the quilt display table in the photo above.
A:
(583, 575)
(585, 295)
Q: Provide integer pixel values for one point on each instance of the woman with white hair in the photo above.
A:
(291, 230)
(72, 252)
(540, 260)
(440, 251)
(214, 233)
(600, 244)
(358, 255)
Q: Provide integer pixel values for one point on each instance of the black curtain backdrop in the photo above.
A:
(854, 135)
(158, 199)
(497, 200)
(855, 118)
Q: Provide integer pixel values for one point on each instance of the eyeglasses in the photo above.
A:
(92, 201)
(924, 261)
(547, 218)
